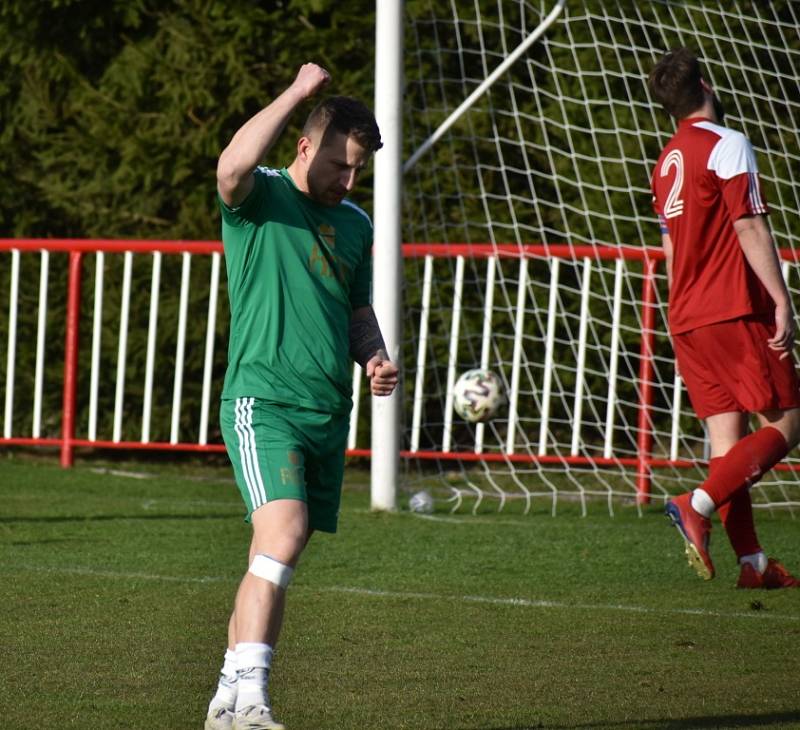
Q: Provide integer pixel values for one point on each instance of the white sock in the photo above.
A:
(253, 662)
(757, 560)
(702, 503)
(227, 686)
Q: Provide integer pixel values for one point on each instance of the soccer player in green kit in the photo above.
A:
(298, 256)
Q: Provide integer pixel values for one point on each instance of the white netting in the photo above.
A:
(558, 153)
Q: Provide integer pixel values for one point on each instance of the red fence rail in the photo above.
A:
(77, 248)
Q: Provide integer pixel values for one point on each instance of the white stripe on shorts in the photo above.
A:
(247, 452)
(241, 432)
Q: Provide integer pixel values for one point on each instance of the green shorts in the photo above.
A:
(286, 452)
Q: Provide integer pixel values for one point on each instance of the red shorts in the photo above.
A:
(728, 366)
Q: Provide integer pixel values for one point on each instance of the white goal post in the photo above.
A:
(530, 246)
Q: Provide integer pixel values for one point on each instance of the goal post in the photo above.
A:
(387, 259)
(531, 247)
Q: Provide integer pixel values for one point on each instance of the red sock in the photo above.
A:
(745, 464)
(737, 519)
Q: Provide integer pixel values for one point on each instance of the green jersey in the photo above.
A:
(296, 270)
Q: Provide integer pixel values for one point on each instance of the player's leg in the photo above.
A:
(736, 514)
(752, 379)
(757, 570)
(741, 466)
(280, 532)
(282, 527)
(690, 512)
(266, 453)
(223, 703)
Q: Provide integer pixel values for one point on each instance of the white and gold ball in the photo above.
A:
(478, 395)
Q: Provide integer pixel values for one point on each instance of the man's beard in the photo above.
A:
(719, 110)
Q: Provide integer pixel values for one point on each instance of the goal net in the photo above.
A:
(550, 271)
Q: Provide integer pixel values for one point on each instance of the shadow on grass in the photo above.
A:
(55, 519)
(771, 719)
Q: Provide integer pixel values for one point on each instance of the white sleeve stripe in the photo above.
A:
(756, 202)
(355, 207)
(271, 171)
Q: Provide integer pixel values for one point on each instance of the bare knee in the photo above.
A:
(787, 422)
(280, 530)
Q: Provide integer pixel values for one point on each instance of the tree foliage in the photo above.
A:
(114, 112)
(113, 115)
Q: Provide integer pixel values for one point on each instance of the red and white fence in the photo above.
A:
(642, 431)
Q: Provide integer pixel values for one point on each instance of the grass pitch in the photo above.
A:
(116, 590)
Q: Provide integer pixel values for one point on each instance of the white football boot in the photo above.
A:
(256, 717)
(219, 718)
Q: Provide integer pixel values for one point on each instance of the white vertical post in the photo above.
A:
(97, 333)
(208, 363)
(41, 329)
(352, 436)
(486, 339)
(11, 353)
(387, 254)
(675, 435)
(150, 358)
(577, 408)
(422, 354)
(452, 359)
(613, 358)
(180, 348)
(549, 358)
(122, 350)
(516, 358)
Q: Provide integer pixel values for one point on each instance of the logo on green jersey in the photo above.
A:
(325, 261)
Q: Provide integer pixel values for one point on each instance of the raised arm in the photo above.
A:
(256, 137)
(759, 250)
(368, 350)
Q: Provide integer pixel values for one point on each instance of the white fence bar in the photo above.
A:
(452, 360)
(11, 352)
(180, 348)
(583, 326)
(674, 441)
(152, 332)
(486, 340)
(422, 353)
(208, 362)
(549, 347)
(122, 351)
(97, 333)
(613, 358)
(41, 331)
(519, 323)
(352, 435)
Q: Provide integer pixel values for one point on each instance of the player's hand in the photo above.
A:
(382, 373)
(310, 79)
(783, 339)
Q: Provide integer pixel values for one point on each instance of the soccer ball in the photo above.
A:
(478, 395)
(421, 502)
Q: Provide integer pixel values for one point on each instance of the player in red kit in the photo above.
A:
(730, 317)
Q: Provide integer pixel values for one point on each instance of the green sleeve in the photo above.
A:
(251, 209)
(361, 291)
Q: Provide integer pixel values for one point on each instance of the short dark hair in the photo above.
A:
(675, 83)
(346, 115)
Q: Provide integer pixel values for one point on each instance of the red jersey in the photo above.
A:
(705, 179)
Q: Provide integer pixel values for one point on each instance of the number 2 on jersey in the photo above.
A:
(674, 204)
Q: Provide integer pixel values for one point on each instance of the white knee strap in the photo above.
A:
(272, 570)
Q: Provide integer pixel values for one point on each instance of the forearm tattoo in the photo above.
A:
(365, 338)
